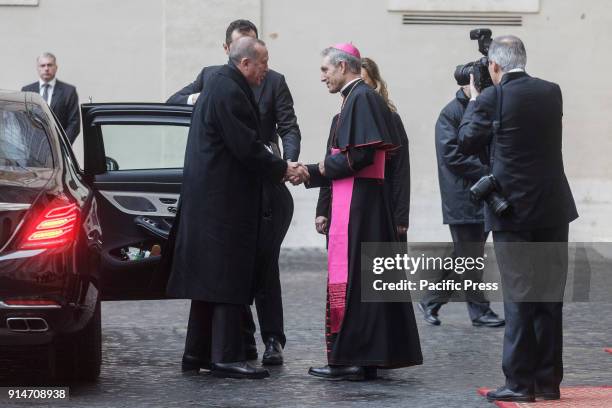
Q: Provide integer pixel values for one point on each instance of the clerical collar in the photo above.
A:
(51, 82)
(346, 89)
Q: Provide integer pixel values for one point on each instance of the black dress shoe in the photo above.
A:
(240, 369)
(489, 319)
(193, 363)
(506, 394)
(429, 315)
(251, 352)
(350, 373)
(274, 352)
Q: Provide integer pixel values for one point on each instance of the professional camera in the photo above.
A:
(487, 189)
(480, 67)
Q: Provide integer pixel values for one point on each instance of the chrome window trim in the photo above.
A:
(162, 210)
(14, 206)
(21, 254)
(5, 306)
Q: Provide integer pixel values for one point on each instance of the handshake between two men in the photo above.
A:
(296, 173)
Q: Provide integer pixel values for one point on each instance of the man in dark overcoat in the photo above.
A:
(277, 120)
(457, 173)
(214, 258)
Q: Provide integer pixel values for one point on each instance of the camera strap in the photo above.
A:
(496, 123)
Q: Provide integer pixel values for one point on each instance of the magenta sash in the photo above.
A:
(338, 245)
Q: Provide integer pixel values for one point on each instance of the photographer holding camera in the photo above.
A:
(457, 172)
(528, 201)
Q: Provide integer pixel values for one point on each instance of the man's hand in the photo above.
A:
(296, 173)
(321, 224)
(193, 98)
(402, 229)
(322, 167)
(474, 92)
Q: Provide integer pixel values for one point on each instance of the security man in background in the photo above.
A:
(61, 97)
(457, 172)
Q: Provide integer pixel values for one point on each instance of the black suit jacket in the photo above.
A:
(65, 105)
(275, 108)
(525, 154)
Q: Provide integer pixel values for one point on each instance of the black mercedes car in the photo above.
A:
(71, 237)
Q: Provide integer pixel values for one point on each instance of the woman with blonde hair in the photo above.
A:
(400, 164)
(371, 76)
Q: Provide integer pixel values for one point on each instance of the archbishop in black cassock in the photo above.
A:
(361, 336)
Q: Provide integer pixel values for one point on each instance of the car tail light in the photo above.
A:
(54, 227)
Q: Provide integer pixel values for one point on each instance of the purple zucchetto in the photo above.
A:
(348, 48)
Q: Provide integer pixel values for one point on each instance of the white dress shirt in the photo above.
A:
(50, 91)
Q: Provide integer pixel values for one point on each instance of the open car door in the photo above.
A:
(134, 162)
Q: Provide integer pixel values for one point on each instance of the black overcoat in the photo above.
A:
(275, 108)
(220, 210)
(457, 171)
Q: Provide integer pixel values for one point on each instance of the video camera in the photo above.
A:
(480, 67)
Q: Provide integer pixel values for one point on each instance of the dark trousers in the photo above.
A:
(468, 241)
(533, 338)
(214, 332)
(277, 206)
(269, 304)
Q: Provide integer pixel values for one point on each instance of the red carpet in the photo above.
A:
(574, 397)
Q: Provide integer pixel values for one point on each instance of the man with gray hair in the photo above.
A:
(61, 97)
(214, 261)
(278, 121)
(519, 120)
(363, 135)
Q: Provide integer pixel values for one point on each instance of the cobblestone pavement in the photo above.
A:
(143, 342)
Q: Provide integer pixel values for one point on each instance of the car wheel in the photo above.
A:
(79, 357)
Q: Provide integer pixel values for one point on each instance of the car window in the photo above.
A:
(24, 146)
(139, 147)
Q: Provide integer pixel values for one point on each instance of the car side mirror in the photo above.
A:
(111, 164)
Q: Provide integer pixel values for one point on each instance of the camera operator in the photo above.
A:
(519, 120)
(457, 172)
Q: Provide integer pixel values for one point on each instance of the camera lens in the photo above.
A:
(498, 204)
(482, 188)
(462, 73)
